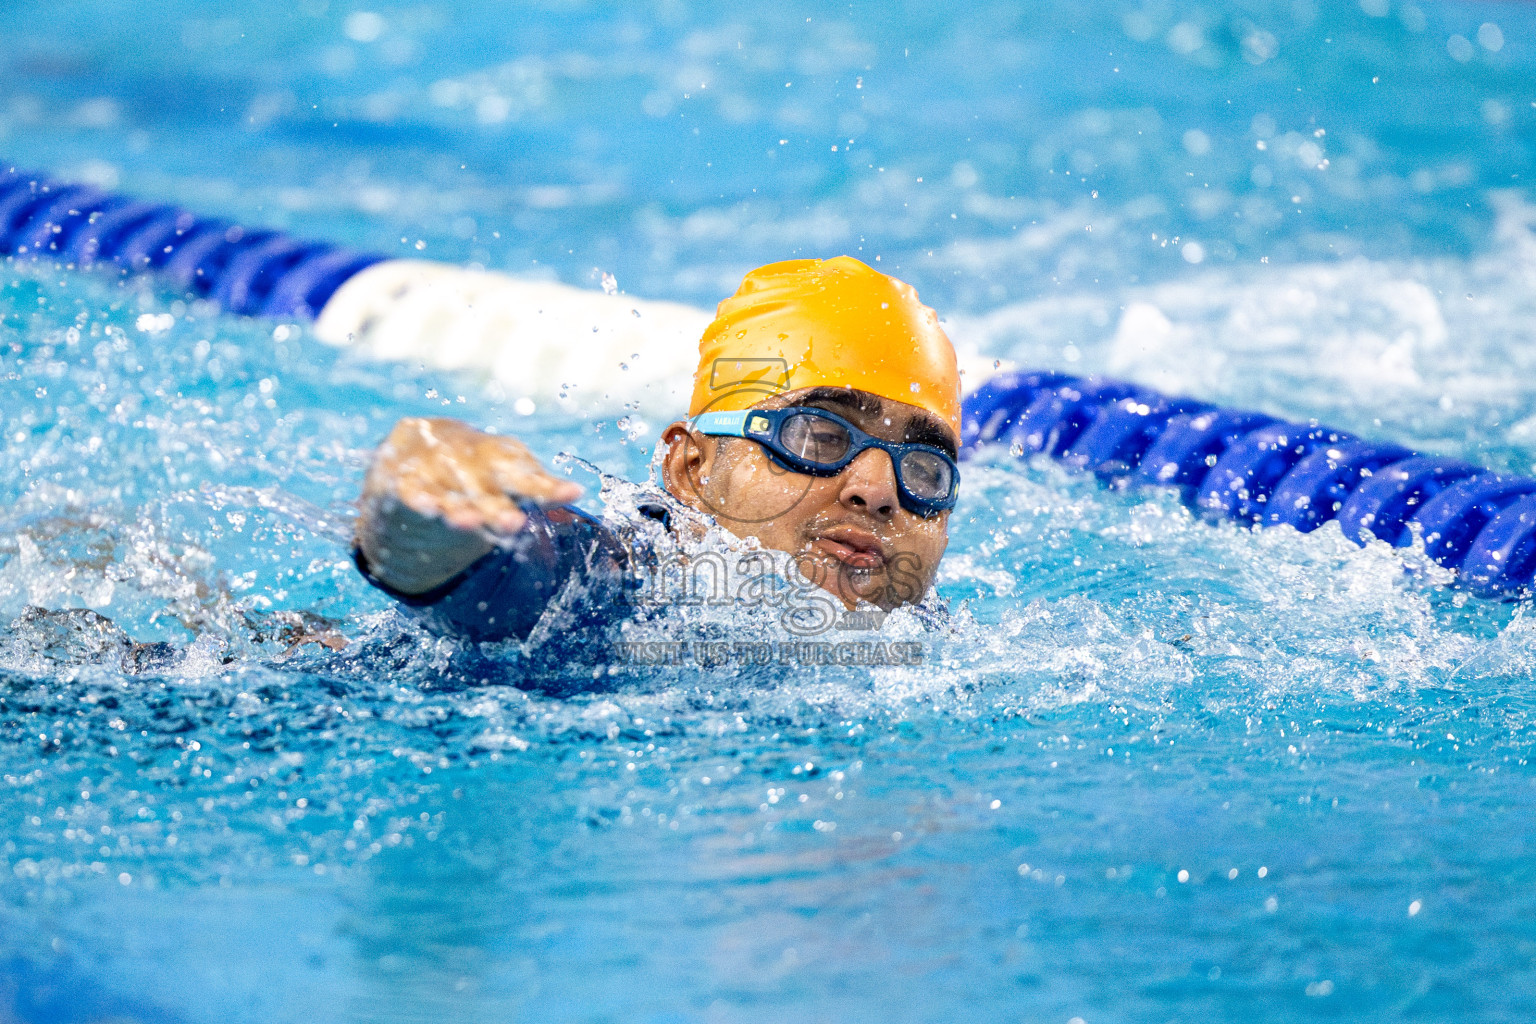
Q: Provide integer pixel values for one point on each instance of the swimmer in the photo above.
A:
(824, 423)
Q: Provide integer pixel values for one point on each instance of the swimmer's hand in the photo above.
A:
(440, 494)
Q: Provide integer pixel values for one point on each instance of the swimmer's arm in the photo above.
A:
(440, 495)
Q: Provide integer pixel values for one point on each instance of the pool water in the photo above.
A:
(1149, 770)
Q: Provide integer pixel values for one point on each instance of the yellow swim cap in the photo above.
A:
(838, 323)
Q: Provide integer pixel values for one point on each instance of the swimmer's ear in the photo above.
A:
(687, 462)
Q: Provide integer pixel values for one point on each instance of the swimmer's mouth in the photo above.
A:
(855, 548)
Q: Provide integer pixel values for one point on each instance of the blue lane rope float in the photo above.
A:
(256, 273)
(1232, 464)
(1260, 471)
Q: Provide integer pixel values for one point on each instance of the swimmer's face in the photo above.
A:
(849, 533)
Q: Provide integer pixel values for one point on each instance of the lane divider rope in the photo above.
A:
(256, 273)
(540, 339)
(1260, 471)
(1243, 466)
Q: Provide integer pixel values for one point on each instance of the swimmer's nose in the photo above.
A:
(869, 484)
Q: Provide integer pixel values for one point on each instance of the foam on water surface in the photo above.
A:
(180, 735)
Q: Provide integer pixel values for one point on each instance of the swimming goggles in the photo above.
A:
(803, 439)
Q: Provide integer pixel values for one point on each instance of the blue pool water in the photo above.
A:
(1151, 770)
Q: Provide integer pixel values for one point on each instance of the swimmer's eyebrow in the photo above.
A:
(922, 428)
(860, 403)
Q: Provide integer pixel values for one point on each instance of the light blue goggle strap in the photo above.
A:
(746, 423)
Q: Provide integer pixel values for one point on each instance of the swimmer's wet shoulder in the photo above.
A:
(824, 423)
